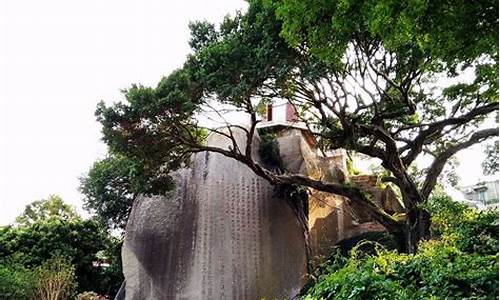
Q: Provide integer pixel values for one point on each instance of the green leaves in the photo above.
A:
(52, 207)
(149, 127)
(460, 265)
(472, 231)
(29, 245)
(202, 34)
(269, 152)
(246, 53)
(16, 281)
(112, 183)
(448, 31)
(55, 280)
(490, 164)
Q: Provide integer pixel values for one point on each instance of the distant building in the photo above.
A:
(485, 192)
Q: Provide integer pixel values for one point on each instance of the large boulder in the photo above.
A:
(221, 234)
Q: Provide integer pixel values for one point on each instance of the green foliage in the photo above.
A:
(77, 240)
(246, 53)
(111, 276)
(16, 281)
(428, 36)
(438, 271)
(111, 185)
(144, 130)
(44, 209)
(80, 241)
(55, 279)
(202, 34)
(461, 264)
(490, 164)
(470, 230)
(412, 28)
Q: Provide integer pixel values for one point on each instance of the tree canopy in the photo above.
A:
(111, 185)
(392, 80)
(44, 209)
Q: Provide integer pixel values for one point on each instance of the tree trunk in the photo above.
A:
(417, 228)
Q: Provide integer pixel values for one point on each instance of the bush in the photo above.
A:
(89, 296)
(460, 263)
(55, 280)
(471, 230)
(16, 282)
(438, 270)
(269, 151)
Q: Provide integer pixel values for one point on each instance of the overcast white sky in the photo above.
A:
(58, 58)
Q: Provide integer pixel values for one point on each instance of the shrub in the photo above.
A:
(78, 240)
(89, 296)
(16, 281)
(438, 270)
(269, 151)
(460, 263)
(55, 280)
(471, 230)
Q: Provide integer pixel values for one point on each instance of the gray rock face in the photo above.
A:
(221, 234)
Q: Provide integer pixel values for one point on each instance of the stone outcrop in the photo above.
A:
(331, 218)
(384, 197)
(221, 234)
(224, 234)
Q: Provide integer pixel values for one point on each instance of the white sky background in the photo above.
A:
(59, 58)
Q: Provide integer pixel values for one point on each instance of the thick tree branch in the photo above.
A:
(434, 130)
(352, 193)
(440, 161)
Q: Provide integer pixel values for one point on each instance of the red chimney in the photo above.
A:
(269, 112)
(291, 113)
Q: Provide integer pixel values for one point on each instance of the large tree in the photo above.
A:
(381, 78)
(52, 207)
